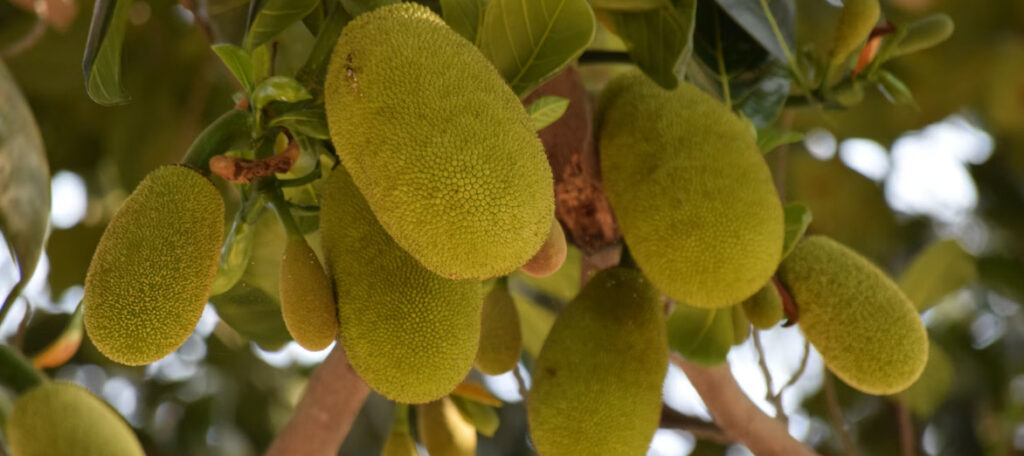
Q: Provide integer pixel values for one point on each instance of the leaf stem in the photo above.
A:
(719, 55)
(276, 200)
(793, 67)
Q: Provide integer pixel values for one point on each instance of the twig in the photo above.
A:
(25, 42)
(799, 370)
(769, 395)
(522, 383)
(837, 416)
(326, 412)
(201, 20)
(908, 442)
(19, 337)
(671, 419)
(235, 169)
(736, 415)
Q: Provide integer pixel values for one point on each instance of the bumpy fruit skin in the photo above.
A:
(500, 338)
(764, 309)
(307, 300)
(152, 271)
(443, 430)
(865, 328)
(692, 194)
(597, 381)
(409, 333)
(551, 255)
(855, 23)
(439, 145)
(64, 419)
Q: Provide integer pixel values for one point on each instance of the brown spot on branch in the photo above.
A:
(239, 170)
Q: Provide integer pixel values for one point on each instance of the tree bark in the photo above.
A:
(326, 411)
(737, 415)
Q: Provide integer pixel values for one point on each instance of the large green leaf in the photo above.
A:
(238, 61)
(798, 218)
(628, 5)
(530, 41)
(940, 269)
(775, 32)
(24, 182)
(660, 40)
(464, 16)
(546, 110)
(102, 63)
(275, 16)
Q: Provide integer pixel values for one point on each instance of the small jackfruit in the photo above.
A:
(63, 419)
(443, 430)
(740, 325)
(703, 336)
(551, 255)
(307, 301)
(439, 145)
(942, 268)
(153, 269)
(692, 194)
(856, 20)
(500, 338)
(866, 329)
(597, 382)
(400, 442)
(409, 333)
(764, 309)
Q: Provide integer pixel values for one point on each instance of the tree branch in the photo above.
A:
(736, 415)
(326, 411)
(671, 419)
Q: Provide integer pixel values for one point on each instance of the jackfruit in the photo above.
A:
(410, 334)
(443, 430)
(500, 339)
(856, 20)
(63, 419)
(692, 194)
(439, 145)
(597, 382)
(307, 301)
(942, 268)
(400, 442)
(740, 325)
(764, 309)
(551, 255)
(865, 328)
(703, 336)
(153, 269)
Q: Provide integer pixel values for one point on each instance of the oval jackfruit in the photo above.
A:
(703, 336)
(867, 331)
(307, 300)
(400, 442)
(64, 419)
(439, 145)
(692, 194)
(597, 382)
(443, 430)
(409, 333)
(153, 269)
(551, 255)
(764, 309)
(500, 339)
(740, 325)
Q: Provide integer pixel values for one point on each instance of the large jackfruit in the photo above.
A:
(693, 197)
(153, 269)
(867, 331)
(410, 333)
(307, 300)
(597, 381)
(441, 148)
(64, 419)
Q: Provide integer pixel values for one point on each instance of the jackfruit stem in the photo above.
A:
(216, 139)
(18, 374)
(284, 215)
(401, 422)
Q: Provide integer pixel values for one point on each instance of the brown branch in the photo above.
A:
(326, 411)
(672, 419)
(25, 42)
(235, 169)
(736, 415)
(770, 396)
(908, 441)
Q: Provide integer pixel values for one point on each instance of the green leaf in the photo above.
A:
(238, 62)
(628, 5)
(24, 183)
(464, 16)
(101, 65)
(659, 41)
(217, 137)
(275, 16)
(529, 42)
(798, 218)
(315, 19)
(761, 94)
(261, 64)
(312, 72)
(278, 88)
(357, 7)
(940, 269)
(750, 14)
(768, 138)
(237, 249)
(310, 122)
(895, 89)
(483, 418)
(546, 110)
(703, 336)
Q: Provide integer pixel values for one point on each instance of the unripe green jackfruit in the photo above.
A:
(64, 419)
(551, 255)
(692, 194)
(500, 338)
(409, 333)
(764, 309)
(597, 381)
(400, 442)
(443, 430)
(307, 301)
(439, 145)
(866, 329)
(740, 325)
(153, 269)
(703, 336)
